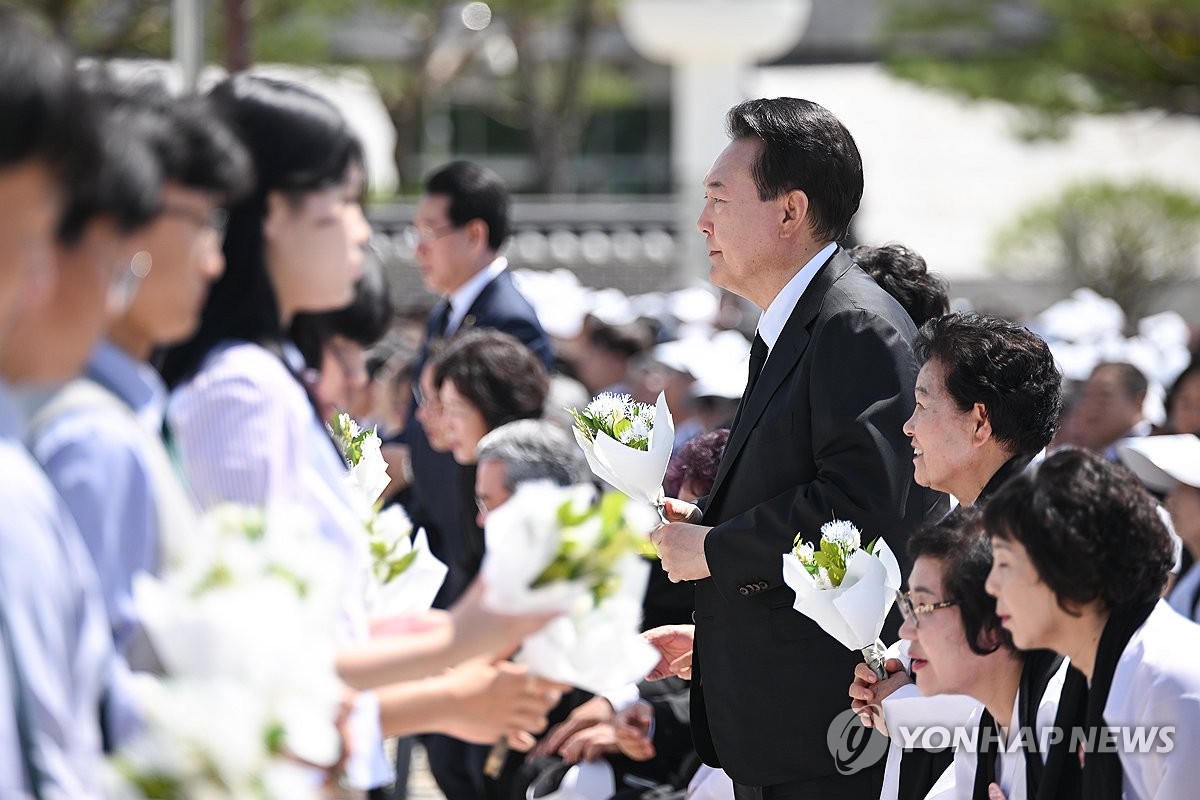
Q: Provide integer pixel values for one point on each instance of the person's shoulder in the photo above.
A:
(241, 377)
(244, 364)
(1165, 651)
(26, 494)
(856, 290)
(89, 430)
(502, 300)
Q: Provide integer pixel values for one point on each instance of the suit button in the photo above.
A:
(762, 585)
(744, 590)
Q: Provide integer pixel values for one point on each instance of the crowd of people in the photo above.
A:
(187, 298)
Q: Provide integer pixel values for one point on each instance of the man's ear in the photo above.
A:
(477, 233)
(277, 207)
(794, 214)
(983, 425)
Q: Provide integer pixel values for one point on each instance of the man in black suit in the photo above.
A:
(462, 221)
(818, 436)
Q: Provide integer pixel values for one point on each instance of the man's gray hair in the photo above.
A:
(534, 449)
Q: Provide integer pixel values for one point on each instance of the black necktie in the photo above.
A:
(758, 357)
(441, 320)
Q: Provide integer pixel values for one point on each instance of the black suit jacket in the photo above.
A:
(442, 493)
(819, 438)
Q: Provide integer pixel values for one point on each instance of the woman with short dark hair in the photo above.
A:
(958, 647)
(1081, 558)
(486, 379)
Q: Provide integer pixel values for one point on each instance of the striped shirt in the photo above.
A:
(246, 432)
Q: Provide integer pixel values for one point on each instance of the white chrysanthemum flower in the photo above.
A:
(640, 427)
(348, 424)
(627, 435)
(842, 533)
(805, 552)
(610, 406)
(822, 578)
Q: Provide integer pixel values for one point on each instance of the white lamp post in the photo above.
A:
(708, 44)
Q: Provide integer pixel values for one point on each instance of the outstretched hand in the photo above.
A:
(674, 646)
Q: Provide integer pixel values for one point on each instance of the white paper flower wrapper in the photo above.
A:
(520, 540)
(595, 647)
(636, 473)
(413, 590)
(854, 612)
(599, 649)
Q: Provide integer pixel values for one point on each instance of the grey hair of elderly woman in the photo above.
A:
(534, 449)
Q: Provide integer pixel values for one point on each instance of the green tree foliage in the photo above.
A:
(1126, 242)
(1053, 57)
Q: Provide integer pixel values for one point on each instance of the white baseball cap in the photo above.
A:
(1163, 462)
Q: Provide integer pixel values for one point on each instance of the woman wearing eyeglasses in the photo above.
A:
(958, 646)
(1081, 558)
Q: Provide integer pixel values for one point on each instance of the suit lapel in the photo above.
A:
(784, 358)
(484, 299)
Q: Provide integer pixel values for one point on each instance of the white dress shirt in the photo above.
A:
(1010, 769)
(908, 709)
(246, 433)
(1157, 682)
(462, 298)
(772, 321)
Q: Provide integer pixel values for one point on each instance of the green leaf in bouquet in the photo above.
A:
(298, 583)
(569, 516)
(397, 568)
(152, 786)
(873, 547)
(619, 427)
(587, 424)
(275, 737)
(831, 559)
(220, 575)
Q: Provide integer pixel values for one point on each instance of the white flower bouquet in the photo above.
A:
(844, 587)
(405, 575)
(243, 621)
(627, 444)
(550, 549)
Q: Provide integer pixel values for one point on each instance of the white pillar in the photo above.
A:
(187, 39)
(709, 45)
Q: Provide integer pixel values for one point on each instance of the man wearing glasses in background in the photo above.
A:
(988, 398)
(100, 438)
(461, 224)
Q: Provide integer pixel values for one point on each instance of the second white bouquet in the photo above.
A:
(844, 587)
(551, 549)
